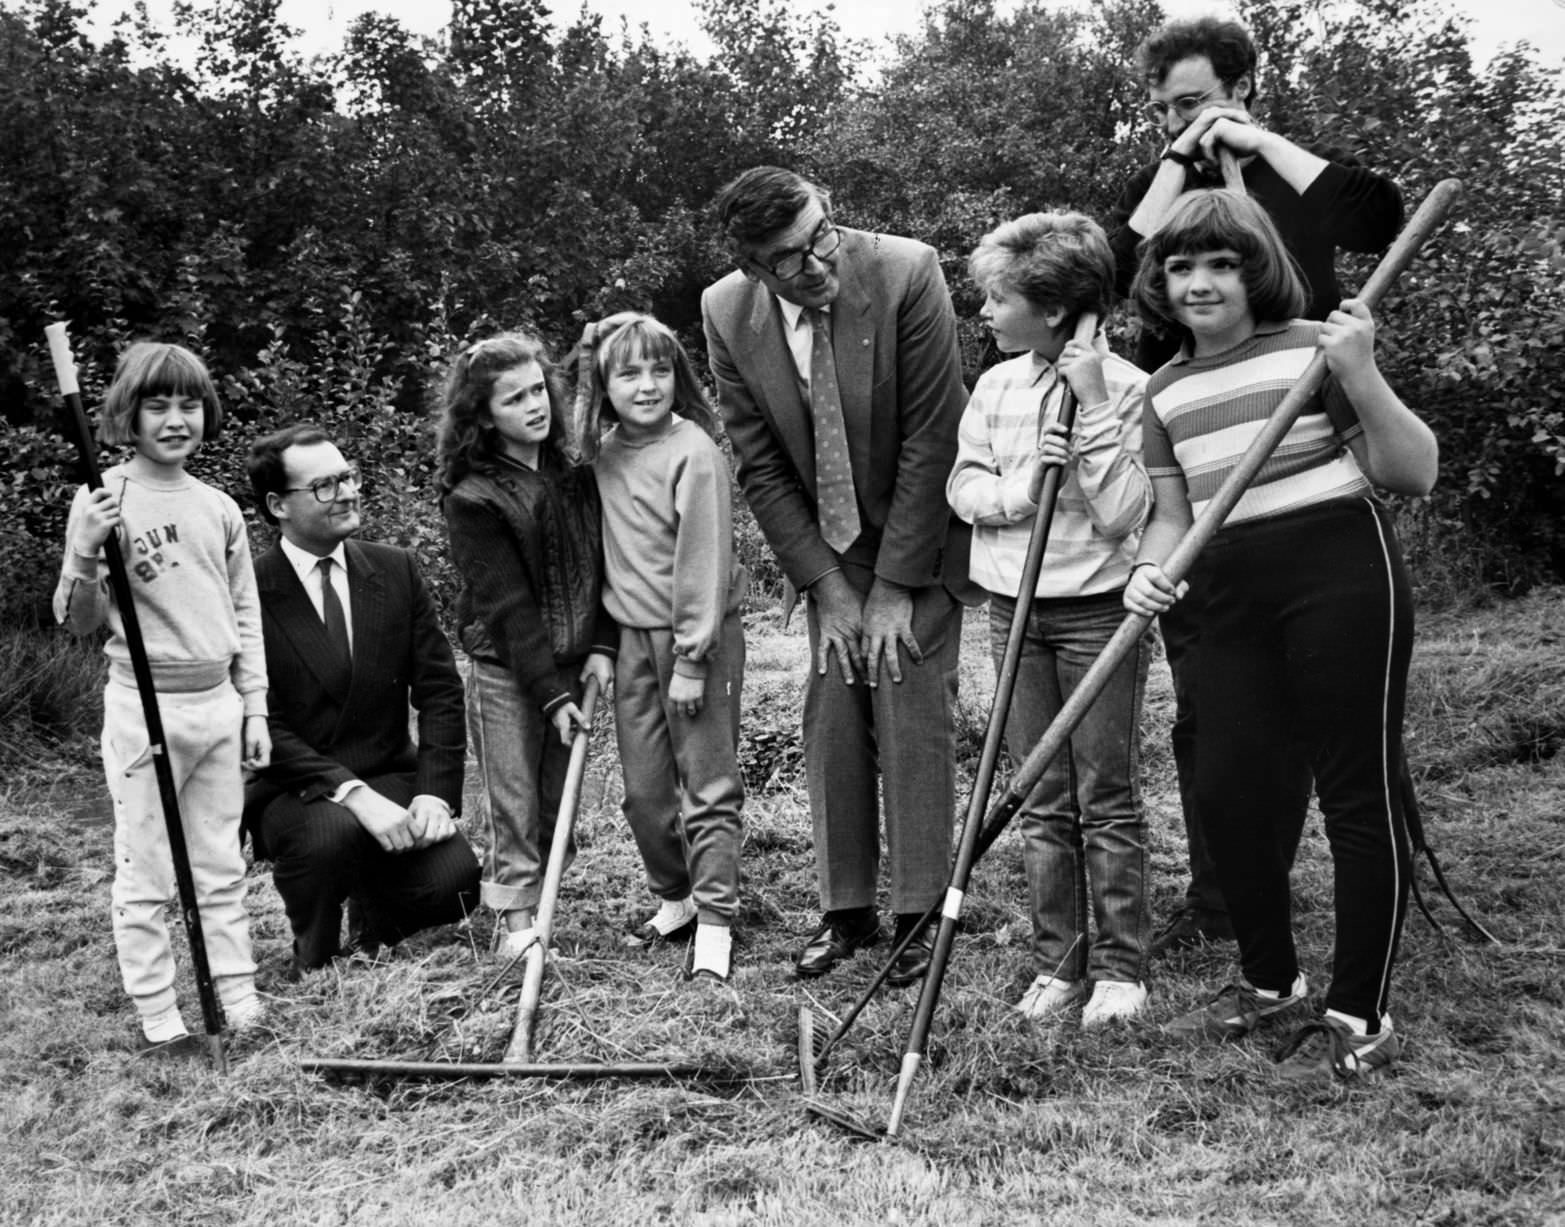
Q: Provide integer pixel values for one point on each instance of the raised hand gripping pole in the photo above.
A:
(211, 1010)
(519, 1051)
(1424, 222)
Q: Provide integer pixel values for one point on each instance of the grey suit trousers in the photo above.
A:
(904, 733)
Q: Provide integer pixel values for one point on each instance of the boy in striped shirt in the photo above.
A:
(1083, 830)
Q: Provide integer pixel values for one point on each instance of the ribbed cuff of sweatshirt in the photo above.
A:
(685, 667)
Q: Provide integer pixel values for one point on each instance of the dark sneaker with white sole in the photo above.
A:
(1235, 1011)
(1329, 1051)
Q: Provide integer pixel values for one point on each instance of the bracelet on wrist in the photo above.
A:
(1174, 155)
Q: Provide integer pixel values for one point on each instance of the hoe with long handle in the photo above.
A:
(211, 1010)
(1429, 216)
(521, 1046)
(1005, 684)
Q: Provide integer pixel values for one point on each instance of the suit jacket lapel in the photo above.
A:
(295, 615)
(778, 378)
(367, 593)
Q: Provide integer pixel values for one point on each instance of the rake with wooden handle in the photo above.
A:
(520, 1048)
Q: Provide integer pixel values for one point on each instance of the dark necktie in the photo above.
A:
(836, 503)
(336, 623)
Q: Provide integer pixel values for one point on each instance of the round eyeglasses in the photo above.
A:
(326, 489)
(1187, 107)
(787, 265)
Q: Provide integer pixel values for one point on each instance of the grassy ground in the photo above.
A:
(1009, 1123)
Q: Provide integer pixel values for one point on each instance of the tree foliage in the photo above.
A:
(327, 231)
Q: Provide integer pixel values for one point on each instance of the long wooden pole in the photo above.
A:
(1424, 222)
(999, 708)
(503, 1069)
(520, 1048)
(211, 1009)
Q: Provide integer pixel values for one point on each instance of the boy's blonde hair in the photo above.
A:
(156, 368)
(1055, 259)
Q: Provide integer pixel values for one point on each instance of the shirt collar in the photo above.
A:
(792, 311)
(1271, 328)
(304, 562)
(1040, 367)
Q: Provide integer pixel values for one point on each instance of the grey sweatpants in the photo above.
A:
(683, 793)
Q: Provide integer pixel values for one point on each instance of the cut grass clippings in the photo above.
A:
(1009, 1122)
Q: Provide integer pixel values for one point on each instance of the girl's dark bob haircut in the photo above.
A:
(466, 439)
(1213, 220)
(156, 368)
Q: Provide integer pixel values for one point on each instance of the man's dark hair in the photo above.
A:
(264, 464)
(762, 201)
(1224, 42)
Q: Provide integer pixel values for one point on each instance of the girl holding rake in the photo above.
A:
(526, 537)
(1309, 625)
(188, 561)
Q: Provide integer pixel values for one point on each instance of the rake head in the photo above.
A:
(810, 1055)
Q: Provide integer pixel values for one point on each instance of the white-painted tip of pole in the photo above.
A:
(952, 905)
(60, 353)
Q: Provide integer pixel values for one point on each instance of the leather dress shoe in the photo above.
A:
(1191, 926)
(834, 941)
(913, 962)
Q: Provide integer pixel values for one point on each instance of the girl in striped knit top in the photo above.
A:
(1309, 624)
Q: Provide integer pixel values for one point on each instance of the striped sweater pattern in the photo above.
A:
(1202, 413)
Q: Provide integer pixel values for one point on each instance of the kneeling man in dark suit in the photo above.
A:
(349, 809)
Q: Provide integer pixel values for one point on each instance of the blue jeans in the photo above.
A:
(1083, 830)
(522, 764)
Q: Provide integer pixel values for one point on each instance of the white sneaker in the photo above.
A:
(1112, 1000)
(712, 953)
(1048, 996)
(675, 921)
(513, 943)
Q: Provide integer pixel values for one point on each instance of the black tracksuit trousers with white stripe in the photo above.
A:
(1308, 633)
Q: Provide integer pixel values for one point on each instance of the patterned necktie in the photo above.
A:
(336, 623)
(836, 503)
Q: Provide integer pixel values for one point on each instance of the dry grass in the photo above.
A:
(1010, 1123)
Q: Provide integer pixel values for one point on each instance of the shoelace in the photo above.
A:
(1338, 1044)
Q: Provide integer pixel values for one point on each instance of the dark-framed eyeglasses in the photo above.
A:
(1187, 107)
(787, 265)
(326, 489)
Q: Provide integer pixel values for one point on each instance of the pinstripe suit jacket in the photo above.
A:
(323, 736)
